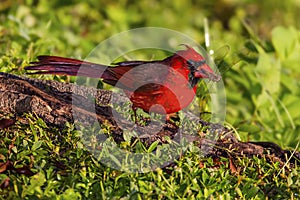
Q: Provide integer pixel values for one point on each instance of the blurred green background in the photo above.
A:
(263, 37)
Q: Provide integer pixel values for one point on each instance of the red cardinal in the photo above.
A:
(161, 86)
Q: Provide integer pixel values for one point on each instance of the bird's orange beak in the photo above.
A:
(204, 71)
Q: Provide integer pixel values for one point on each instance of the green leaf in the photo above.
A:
(41, 123)
(284, 40)
(14, 149)
(249, 128)
(36, 182)
(36, 145)
(268, 72)
(70, 194)
(152, 146)
(115, 159)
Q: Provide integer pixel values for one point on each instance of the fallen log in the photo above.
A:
(57, 103)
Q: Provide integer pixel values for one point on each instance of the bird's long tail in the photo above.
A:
(67, 66)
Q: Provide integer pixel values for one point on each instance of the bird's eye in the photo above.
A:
(194, 65)
(191, 63)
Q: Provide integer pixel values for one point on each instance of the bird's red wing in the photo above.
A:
(132, 63)
(129, 75)
(138, 75)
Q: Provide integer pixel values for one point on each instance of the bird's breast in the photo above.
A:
(172, 96)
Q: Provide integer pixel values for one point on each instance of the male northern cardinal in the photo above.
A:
(161, 86)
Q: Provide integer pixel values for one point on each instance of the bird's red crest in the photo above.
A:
(190, 54)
